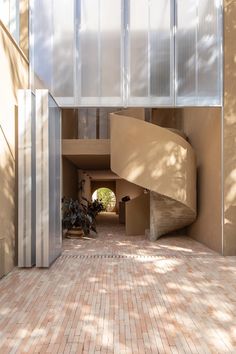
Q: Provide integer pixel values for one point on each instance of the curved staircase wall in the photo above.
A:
(161, 161)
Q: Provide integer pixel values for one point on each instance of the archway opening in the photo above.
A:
(107, 197)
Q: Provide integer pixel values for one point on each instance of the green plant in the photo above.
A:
(107, 198)
(80, 214)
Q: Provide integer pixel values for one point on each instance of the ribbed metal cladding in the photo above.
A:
(26, 178)
(198, 52)
(113, 53)
(48, 179)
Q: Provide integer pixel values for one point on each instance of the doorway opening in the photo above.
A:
(107, 197)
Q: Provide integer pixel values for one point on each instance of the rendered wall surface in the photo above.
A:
(69, 124)
(138, 113)
(229, 245)
(14, 76)
(84, 185)
(124, 188)
(137, 215)
(72, 147)
(24, 26)
(69, 179)
(203, 129)
(166, 118)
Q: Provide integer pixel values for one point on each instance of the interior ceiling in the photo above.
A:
(102, 175)
(90, 162)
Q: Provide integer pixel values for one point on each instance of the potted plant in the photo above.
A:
(79, 218)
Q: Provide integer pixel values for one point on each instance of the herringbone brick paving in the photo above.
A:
(120, 295)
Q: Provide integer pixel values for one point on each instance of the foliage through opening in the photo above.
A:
(107, 198)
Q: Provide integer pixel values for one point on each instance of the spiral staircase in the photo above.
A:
(162, 162)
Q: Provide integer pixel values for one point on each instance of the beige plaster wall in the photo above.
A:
(14, 76)
(229, 227)
(203, 129)
(85, 147)
(69, 124)
(103, 184)
(166, 118)
(24, 26)
(137, 215)
(124, 188)
(84, 185)
(138, 113)
(69, 179)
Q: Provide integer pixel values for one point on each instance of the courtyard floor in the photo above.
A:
(120, 295)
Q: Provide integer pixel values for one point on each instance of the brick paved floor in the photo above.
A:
(117, 294)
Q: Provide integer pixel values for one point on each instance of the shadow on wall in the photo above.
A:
(168, 166)
(161, 161)
(16, 185)
(230, 128)
(8, 209)
(24, 26)
(18, 79)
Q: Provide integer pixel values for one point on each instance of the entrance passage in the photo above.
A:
(107, 197)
